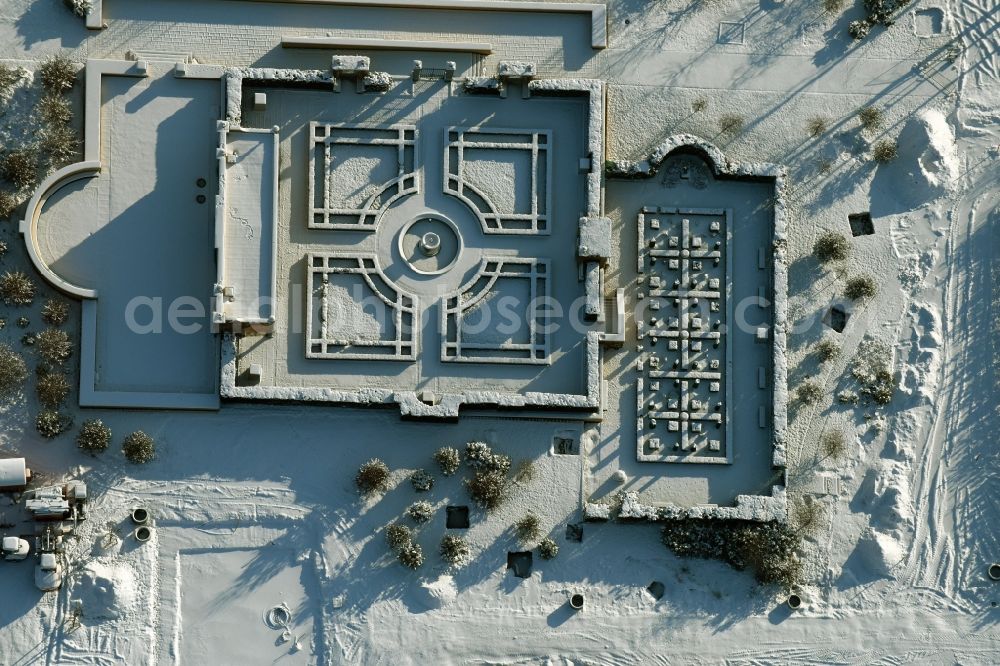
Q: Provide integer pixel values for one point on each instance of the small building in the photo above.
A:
(14, 475)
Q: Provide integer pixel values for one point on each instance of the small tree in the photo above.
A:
(809, 392)
(885, 151)
(13, 371)
(139, 448)
(16, 288)
(871, 118)
(827, 350)
(529, 528)
(58, 74)
(20, 167)
(448, 459)
(833, 445)
(52, 389)
(422, 481)
(454, 549)
(731, 123)
(54, 345)
(831, 246)
(816, 126)
(51, 423)
(55, 312)
(861, 288)
(398, 536)
(372, 477)
(411, 555)
(548, 548)
(94, 436)
(420, 512)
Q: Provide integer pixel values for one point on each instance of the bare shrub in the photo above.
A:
(529, 528)
(422, 481)
(454, 549)
(832, 6)
(448, 459)
(525, 471)
(731, 123)
(398, 536)
(831, 246)
(885, 151)
(55, 311)
(58, 74)
(833, 444)
(420, 512)
(20, 167)
(411, 556)
(699, 104)
(372, 477)
(139, 448)
(816, 126)
(827, 350)
(52, 389)
(94, 436)
(13, 371)
(548, 548)
(807, 514)
(861, 288)
(54, 345)
(49, 423)
(809, 392)
(871, 117)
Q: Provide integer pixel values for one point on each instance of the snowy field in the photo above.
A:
(254, 506)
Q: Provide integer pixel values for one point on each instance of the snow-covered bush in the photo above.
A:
(54, 345)
(873, 370)
(372, 477)
(13, 371)
(833, 445)
(454, 549)
(81, 8)
(420, 512)
(52, 389)
(54, 109)
(16, 288)
(398, 536)
(49, 423)
(7, 204)
(548, 548)
(55, 311)
(859, 29)
(528, 528)
(816, 126)
(871, 117)
(411, 556)
(58, 74)
(59, 145)
(885, 151)
(861, 288)
(422, 481)
(807, 514)
(827, 350)
(448, 459)
(831, 246)
(94, 436)
(139, 448)
(809, 392)
(481, 457)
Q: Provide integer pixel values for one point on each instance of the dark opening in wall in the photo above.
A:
(861, 224)
(656, 589)
(574, 532)
(564, 446)
(458, 517)
(520, 562)
(837, 318)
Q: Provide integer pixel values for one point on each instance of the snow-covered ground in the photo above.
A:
(254, 506)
